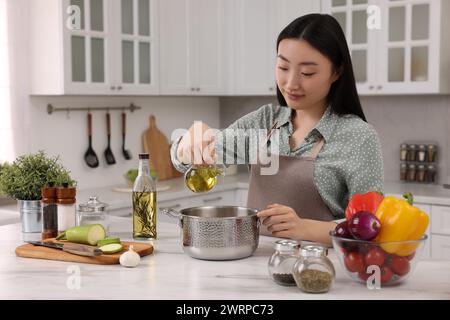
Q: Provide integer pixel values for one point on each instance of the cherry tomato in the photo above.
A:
(400, 265)
(363, 275)
(386, 274)
(354, 262)
(375, 256)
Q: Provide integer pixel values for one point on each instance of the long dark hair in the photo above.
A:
(324, 33)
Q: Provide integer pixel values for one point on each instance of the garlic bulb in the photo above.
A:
(130, 258)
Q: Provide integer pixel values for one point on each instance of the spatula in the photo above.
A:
(108, 153)
(90, 156)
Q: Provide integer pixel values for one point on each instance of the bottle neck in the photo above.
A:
(144, 168)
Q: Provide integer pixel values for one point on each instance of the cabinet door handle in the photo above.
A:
(113, 87)
(192, 89)
(271, 89)
(171, 207)
(370, 87)
(379, 87)
(198, 89)
(212, 199)
(119, 88)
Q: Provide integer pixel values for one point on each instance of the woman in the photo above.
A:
(328, 151)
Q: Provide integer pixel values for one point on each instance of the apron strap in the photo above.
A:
(316, 148)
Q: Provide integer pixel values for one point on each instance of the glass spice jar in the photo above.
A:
(403, 171)
(412, 148)
(411, 172)
(93, 212)
(431, 153)
(314, 272)
(403, 152)
(431, 173)
(282, 261)
(420, 174)
(421, 153)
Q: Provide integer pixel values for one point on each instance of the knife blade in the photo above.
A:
(74, 248)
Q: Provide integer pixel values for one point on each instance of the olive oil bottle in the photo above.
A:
(144, 202)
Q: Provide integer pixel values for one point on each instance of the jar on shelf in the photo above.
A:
(431, 173)
(411, 176)
(403, 152)
(403, 171)
(412, 149)
(431, 153)
(314, 272)
(282, 261)
(420, 174)
(422, 153)
(93, 212)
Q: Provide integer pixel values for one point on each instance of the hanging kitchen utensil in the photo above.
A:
(108, 153)
(90, 156)
(126, 153)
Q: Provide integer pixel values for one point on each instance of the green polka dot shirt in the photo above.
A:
(350, 161)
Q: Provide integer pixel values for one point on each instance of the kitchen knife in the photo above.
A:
(74, 248)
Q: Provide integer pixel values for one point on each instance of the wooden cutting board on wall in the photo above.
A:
(157, 145)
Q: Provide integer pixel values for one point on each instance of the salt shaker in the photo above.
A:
(66, 207)
(314, 272)
(282, 261)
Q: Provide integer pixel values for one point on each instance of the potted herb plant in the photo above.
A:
(23, 180)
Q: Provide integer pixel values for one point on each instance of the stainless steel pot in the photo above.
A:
(218, 232)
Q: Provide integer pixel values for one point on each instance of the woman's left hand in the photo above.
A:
(282, 221)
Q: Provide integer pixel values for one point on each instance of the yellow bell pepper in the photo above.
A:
(400, 221)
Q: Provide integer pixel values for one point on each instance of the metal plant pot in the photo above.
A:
(30, 215)
(218, 232)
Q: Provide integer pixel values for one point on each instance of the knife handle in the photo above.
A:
(82, 250)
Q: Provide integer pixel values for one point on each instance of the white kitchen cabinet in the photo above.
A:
(194, 42)
(221, 198)
(94, 47)
(407, 53)
(441, 247)
(257, 24)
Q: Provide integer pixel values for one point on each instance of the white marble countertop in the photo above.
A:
(171, 274)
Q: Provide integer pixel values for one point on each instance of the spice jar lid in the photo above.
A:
(431, 146)
(66, 192)
(93, 205)
(403, 146)
(412, 146)
(313, 251)
(421, 147)
(286, 245)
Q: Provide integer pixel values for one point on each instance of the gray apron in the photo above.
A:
(292, 186)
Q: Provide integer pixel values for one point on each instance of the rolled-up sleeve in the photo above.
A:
(232, 143)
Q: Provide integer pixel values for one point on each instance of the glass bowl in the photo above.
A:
(361, 259)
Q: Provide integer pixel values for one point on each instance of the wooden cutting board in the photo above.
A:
(30, 251)
(157, 145)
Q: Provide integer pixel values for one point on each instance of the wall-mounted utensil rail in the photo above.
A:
(131, 107)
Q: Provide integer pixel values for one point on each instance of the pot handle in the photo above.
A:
(173, 214)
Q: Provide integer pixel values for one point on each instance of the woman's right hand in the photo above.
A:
(197, 145)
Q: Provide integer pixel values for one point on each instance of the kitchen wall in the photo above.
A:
(396, 119)
(66, 135)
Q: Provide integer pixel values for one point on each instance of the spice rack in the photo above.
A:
(418, 162)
